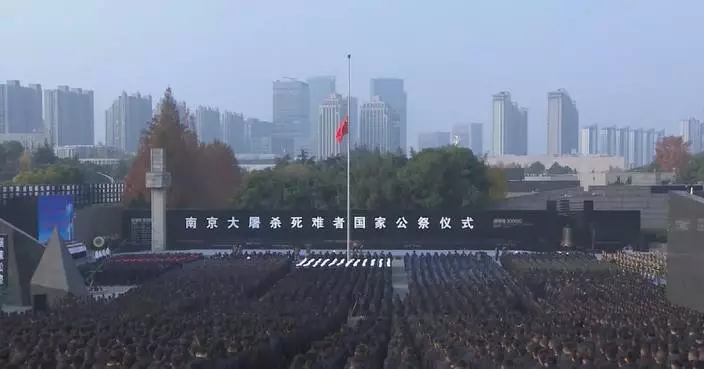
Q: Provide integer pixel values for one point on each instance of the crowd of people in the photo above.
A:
(461, 311)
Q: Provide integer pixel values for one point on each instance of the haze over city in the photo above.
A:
(626, 63)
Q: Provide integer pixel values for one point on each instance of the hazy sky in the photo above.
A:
(626, 62)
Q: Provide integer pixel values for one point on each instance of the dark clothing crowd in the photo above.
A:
(440, 311)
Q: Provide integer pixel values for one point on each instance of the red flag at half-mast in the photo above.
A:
(342, 129)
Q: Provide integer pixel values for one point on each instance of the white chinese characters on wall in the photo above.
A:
(319, 223)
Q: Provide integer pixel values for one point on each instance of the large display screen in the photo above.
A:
(55, 211)
(3, 267)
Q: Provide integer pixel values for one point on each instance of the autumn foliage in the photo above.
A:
(671, 154)
(202, 176)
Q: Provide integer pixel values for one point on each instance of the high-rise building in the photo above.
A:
(125, 120)
(20, 108)
(691, 131)
(563, 124)
(69, 116)
(319, 88)
(392, 92)
(331, 113)
(208, 126)
(476, 138)
(468, 135)
(234, 131)
(259, 135)
(509, 126)
(649, 146)
(623, 144)
(589, 140)
(431, 140)
(639, 153)
(608, 141)
(375, 126)
(460, 135)
(291, 104)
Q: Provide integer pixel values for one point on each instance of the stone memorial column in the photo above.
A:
(158, 182)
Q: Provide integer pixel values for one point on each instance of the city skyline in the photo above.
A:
(302, 106)
(606, 57)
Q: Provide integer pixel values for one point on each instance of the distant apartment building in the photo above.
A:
(376, 126)
(589, 140)
(29, 141)
(258, 136)
(691, 132)
(623, 144)
(608, 141)
(468, 135)
(291, 105)
(88, 152)
(126, 119)
(476, 138)
(234, 131)
(431, 140)
(563, 124)
(509, 126)
(393, 93)
(69, 116)
(208, 126)
(20, 108)
(330, 114)
(319, 88)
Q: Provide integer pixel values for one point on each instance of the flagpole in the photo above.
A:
(349, 139)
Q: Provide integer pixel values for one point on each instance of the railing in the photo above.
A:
(84, 194)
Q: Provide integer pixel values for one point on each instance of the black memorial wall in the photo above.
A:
(525, 229)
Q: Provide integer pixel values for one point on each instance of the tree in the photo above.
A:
(498, 185)
(535, 168)
(672, 154)
(53, 174)
(44, 155)
(200, 175)
(218, 163)
(26, 162)
(557, 169)
(445, 179)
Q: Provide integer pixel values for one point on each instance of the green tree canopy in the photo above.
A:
(556, 169)
(535, 168)
(446, 178)
(44, 156)
(53, 174)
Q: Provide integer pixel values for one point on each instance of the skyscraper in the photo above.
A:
(563, 124)
(69, 116)
(330, 114)
(476, 138)
(291, 104)
(460, 135)
(208, 126)
(375, 126)
(468, 135)
(509, 126)
(319, 88)
(639, 153)
(623, 144)
(20, 108)
(234, 131)
(391, 91)
(125, 119)
(608, 141)
(589, 140)
(431, 140)
(691, 131)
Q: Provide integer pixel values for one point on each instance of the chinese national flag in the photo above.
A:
(342, 129)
